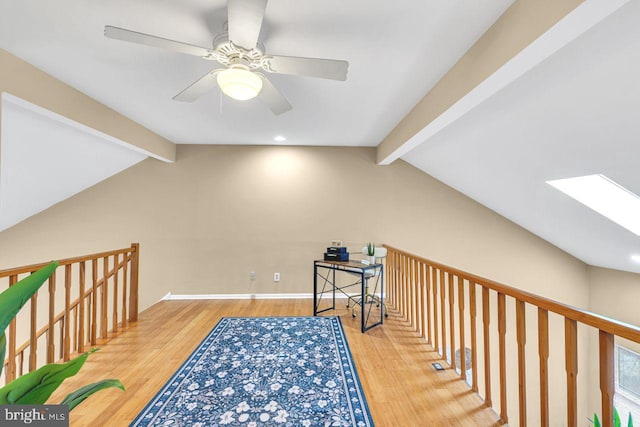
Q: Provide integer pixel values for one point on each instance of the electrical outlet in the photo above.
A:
(252, 275)
(276, 277)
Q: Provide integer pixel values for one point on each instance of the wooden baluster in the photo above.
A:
(11, 368)
(419, 299)
(607, 386)
(474, 348)
(74, 341)
(61, 325)
(387, 280)
(419, 302)
(502, 330)
(94, 302)
(427, 294)
(66, 346)
(401, 284)
(116, 270)
(571, 363)
(405, 288)
(443, 316)
(434, 287)
(88, 317)
(396, 264)
(521, 337)
(51, 346)
(104, 299)
(33, 331)
(133, 295)
(124, 288)
(463, 356)
(452, 332)
(543, 351)
(81, 303)
(393, 272)
(390, 271)
(486, 320)
(421, 312)
(411, 293)
(21, 363)
(398, 283)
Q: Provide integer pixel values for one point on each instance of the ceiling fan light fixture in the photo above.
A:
(239, 83)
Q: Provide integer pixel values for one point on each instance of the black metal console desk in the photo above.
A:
(367, 278)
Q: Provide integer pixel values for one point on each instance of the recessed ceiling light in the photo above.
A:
(635, 258)
(279, 138)
(604, 196)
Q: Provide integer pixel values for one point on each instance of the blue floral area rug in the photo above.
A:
(273, 371)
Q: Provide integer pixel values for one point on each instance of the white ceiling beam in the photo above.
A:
(23, 80)
(525, 35)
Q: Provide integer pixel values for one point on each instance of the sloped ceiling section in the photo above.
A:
(574, 114)
(46, 158)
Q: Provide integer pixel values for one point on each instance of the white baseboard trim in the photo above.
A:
(171, 296)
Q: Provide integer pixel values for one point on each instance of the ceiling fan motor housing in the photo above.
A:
(231, 54)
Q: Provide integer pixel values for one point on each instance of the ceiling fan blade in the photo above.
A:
(197, 89)
(271, 96)
(244, 20)
(154, 41)
(324, 68)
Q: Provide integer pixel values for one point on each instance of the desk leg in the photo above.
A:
(363, 301)
(315, 290)
(381, 294)
(334, 290)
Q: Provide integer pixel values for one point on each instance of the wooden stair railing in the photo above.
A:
(99, 295)
(419, 289)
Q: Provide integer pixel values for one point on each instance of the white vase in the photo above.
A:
(372, 259)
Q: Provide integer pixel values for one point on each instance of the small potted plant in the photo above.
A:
(371, 252)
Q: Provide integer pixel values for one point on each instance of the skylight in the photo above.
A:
(604, 196)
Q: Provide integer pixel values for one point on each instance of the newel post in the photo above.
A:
(133, 295)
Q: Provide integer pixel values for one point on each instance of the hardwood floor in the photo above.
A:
(393, 363)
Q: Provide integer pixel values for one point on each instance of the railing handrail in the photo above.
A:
(84, 258)
(616, 327)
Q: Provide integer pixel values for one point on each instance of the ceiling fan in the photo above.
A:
(243, 58)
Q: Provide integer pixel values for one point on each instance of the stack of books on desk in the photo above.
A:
(336, 253)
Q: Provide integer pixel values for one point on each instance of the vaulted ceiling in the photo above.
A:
(569, 111)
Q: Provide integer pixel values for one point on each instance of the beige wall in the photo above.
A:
(220, 212)
(615, 294)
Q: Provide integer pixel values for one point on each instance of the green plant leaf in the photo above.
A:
(13, 298)
(36, 387)
(630, 421)
(596, 421)
(3, 350)
(616, 418)
(78, 396)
